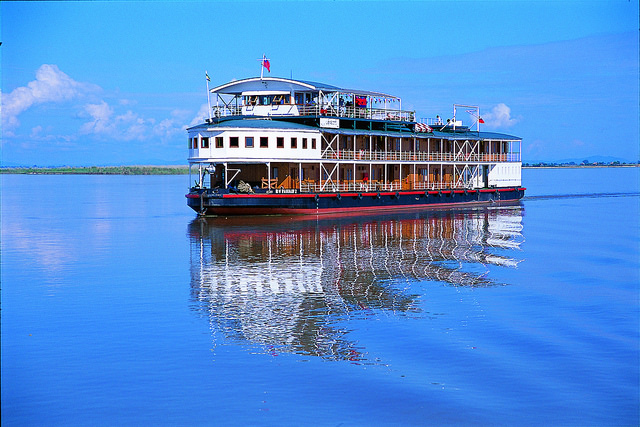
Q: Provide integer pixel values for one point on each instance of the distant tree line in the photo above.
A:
(99, 170)
(574, 164)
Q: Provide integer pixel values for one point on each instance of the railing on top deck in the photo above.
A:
(226, 111)
(356, 113)
(365, 155)
(329, 111)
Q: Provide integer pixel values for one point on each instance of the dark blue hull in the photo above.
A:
(207, 202)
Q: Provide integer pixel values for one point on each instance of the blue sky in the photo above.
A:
(115, 83)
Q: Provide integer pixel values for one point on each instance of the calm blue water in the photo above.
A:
(119, 307)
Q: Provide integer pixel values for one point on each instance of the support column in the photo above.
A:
(268, 176)
(354, 175)
(385, 148)
(385, 173)
(413, 185)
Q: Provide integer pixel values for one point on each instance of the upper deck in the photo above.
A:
(275, 96)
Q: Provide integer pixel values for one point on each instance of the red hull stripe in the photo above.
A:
(272, 211)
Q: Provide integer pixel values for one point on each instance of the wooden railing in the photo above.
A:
(365, 155)
(310, 186)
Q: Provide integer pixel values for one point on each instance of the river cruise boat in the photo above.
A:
(282, 146)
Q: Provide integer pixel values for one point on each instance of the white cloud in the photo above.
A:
(50, 85)
(202, 114)
(130, 125)
(499, 117)
(101, 114)
(110, 118)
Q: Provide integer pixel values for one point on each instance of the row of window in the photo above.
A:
(234, 142)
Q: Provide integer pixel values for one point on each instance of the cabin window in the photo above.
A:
(205, 142)
(234, 142)
(264, 142)
(248, 142)
(275, 173)
(219, 142)
(190, 142)
(304, 143)
(281, 99)
(294, 142)
(313, 144)
(280, 142)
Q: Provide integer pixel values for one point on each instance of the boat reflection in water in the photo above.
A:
(285, 284)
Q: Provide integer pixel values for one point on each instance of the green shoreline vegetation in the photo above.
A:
(584, 164)
(98, 170)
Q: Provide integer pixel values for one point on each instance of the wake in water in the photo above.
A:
(588, 195)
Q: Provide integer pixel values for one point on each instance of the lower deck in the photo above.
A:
(331, 177)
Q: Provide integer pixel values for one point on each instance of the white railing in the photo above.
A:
(326, 110)
(375, 186)
(356, 113)
(365, 155)
(336, 187)
(226, 111)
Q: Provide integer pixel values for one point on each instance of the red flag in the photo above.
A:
(480, 120)
(266, 64)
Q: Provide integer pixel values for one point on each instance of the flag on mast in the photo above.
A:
(264, 63)
(206, 75)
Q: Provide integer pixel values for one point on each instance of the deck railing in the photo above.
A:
(225, 111)
(372, 186)
(357, 113)
(328, 111)
(365, 155)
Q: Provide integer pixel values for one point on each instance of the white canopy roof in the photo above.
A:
(274, 85)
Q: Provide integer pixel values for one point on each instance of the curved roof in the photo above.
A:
(237, 87)
(257, 123)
